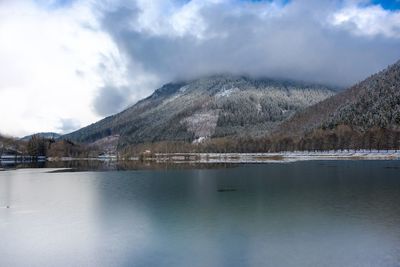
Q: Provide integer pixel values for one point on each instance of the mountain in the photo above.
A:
(371, 104)
(48, 135)
(215, 106)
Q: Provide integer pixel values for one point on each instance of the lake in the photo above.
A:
(311, 213)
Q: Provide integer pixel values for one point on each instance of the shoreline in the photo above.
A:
(239, 157)
(275, 157)
(253, 157)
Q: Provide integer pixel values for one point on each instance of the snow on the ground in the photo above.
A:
(202, 124)
(199, 140)
(226, 92)
(280, 157)
(258, 107)
(184, 88)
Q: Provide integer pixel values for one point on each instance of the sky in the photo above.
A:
(65, 64)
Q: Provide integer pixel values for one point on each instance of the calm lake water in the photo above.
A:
(332, 213)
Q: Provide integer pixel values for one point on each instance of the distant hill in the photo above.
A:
(365, 116)
(374, 102)
(43, 135)
(211, 107)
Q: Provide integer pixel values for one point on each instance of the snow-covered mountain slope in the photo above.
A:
(374, 102)
(215, 106)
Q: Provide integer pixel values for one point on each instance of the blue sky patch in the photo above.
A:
(281, 1)
(388, 4)
(54, 4)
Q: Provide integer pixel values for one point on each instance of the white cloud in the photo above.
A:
(50, 66)
(368, 20)
(298, 40)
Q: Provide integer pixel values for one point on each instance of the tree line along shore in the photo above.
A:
(342, 138)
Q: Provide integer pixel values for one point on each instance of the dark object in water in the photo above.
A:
(7, 207)
(392, 167)
(227, 190)
(68, 170)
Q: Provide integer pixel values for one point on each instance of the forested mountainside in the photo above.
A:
(366, 115)
(211, 107)
(374, 102)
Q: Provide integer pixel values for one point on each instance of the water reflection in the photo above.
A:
(298, 214)
(112, 165)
